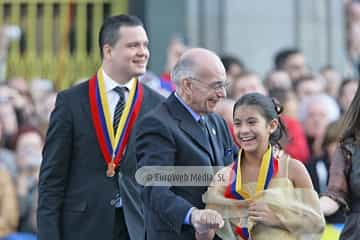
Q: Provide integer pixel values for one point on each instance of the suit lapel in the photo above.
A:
(186, 122)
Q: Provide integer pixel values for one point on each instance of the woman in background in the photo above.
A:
(344, 176)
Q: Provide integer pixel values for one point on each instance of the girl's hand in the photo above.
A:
(209, 235)
(259, 212)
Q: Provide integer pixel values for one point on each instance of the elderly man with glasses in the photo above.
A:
(184, 131)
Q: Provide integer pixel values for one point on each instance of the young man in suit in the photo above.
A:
(87, 187)
(184, 131)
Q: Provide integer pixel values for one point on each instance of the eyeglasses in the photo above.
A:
(216, 86)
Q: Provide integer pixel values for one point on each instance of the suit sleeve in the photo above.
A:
(338, 186)
(156, 147)
(233, 149)
(54, 171)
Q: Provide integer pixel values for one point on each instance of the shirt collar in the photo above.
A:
(195, 115)
(110, 84)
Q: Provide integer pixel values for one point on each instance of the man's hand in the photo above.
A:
(206, 219)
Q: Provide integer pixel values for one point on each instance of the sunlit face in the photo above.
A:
(316, 121)
(208, 86)
(247, 84)
(308, 88)
(28, 149)
(333, 80)
(252, 130)
(130, 55)
(291, 105)
(295, 65)
(206, 94)
(233, 71)
(348, 94)
(8, 118)
(279, 79)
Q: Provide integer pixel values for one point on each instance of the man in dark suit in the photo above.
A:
(183, 131)
(87, 187)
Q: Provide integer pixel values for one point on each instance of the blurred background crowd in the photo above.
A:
(314, 94)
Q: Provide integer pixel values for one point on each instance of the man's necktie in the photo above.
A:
(205, 129)
(202, 123)
(119, 108)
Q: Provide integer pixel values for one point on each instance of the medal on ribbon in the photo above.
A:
(113, 145)
(268, 170)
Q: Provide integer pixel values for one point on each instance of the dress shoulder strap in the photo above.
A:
(283, 159)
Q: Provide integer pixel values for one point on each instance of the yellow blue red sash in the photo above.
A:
(113, 145)
(268, 170)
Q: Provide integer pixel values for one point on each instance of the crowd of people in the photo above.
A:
(71, 188)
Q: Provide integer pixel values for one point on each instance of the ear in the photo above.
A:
(274, 124)
(107, 51)
(187, 86)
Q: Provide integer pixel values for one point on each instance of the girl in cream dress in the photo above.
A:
(264, 194)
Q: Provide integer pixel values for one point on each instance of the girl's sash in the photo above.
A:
(268, 170)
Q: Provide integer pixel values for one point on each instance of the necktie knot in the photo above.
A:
(202, 121)
(120, 91)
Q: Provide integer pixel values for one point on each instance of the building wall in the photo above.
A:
(163, 20)
(252, 30)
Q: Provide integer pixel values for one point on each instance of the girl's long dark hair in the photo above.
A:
(350, 122)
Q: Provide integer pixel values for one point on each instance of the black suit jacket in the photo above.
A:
(171, 137)
(74, 193)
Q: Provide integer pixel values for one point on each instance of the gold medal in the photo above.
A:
(110, 172)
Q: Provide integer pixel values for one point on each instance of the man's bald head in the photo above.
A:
(197, 62)
(200, 78)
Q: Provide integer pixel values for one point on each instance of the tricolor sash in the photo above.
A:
(112, 145)
(268, 170)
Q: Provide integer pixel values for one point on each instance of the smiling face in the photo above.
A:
(129, 56)
(252, 129)
(208, 86)
(295, 66)
(317, 118)
(248, 83)
(206, 93)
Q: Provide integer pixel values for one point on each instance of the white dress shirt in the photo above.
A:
(111, 95)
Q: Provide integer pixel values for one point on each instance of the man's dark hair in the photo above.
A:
(109, 33)
(283, 55)
(230, 60)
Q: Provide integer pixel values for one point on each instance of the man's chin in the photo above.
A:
(139, 73)
(211, 106)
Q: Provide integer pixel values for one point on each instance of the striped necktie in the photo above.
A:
(119, 108)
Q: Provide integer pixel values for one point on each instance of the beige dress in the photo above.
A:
(298, 209)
